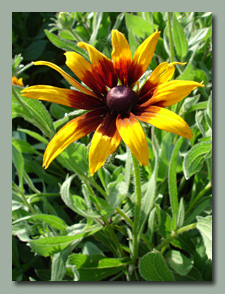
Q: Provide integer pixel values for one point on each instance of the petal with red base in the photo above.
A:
(72, 131)
(105, 141)
(133, 135)
(66, 97)
(121, 56)
(164, 119)
(85, 72)
(169, 93)
(142, 58)
(67, 77)
(161, 74)
(103, 66)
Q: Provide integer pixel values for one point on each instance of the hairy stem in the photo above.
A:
(137, 180)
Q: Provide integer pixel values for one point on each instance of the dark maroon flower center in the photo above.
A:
(120, 99)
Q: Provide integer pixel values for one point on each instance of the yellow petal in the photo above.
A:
(121, 55)
(161, 74)
(66, 97)
(105, 141)
(85, 72)
(102, 65)
(72, 131)
(170, 93)
(133, 135)
(142, 58)
(67, 77)
(18, 82)
(164, 119)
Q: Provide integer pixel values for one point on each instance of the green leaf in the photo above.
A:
(179, 262)
(198, 106)
(65, 44)
(194, 159)
(179, 39)
(150, 194)
(19, 164)
(89, 248)
(75, 158)
(96, 267)
(42, 174)
(184, 242)
(75, 203)
(197, 36)
(180, 214)
(34, 135)
(51, 245)
(167, 146)
(138, 25)
(153, 268)
(59, 265)
(35, 50)
(96, 24)
(165, 222)
(173, 181)
(51, 220)
(133, 42)
(106, 210)
(15, 253)
(198, 210)
(33, 111)
(23, 146)
(204, 225)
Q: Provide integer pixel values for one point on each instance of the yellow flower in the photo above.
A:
(115, 108)
(17, 82)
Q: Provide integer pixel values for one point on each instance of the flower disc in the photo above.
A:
(120, 99)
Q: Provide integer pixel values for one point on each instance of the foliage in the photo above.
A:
(68, 226)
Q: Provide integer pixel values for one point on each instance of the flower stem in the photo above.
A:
(170, 36)
(175, 234)
(129, 221)
(137, 179)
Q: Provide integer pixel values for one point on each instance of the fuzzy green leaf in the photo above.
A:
(153, 268)
(194, 159)
(204, 225)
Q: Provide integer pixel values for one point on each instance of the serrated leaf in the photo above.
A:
(153, 268)
(204, 225)
(194, 159)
